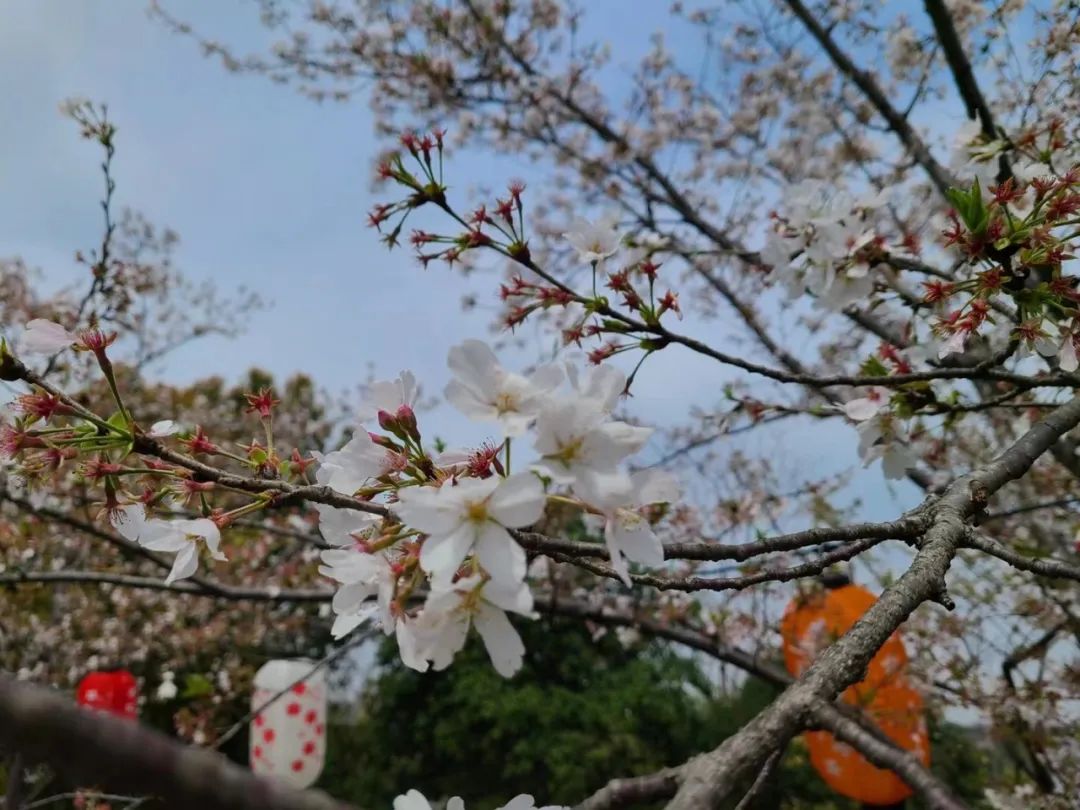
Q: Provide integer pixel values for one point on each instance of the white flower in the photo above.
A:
(362, 576)
(605, 384)
(847, 287)
(167, 689)
(593, 242)
(486, 392)
(863, 408)
(778, 251)
(130, 521)
(882, 438)
(627, 534)
(817, 203)
(166, 427)
(45, 337)
(389, 396)
(473, 516)
(575, 441)
(179, 537)
(409, 645)
(341, 527)
(443, 624)
(1067, 359)
(954, 344)
(354, 465)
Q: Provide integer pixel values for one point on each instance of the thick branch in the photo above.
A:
(939, 175)
(932, 791)
(92, 748)
(902, 529)
(1040, 567)
(200, 588)
(710, 777)
(960, 66)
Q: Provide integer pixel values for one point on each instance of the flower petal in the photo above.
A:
(517, 501)
(503, 643)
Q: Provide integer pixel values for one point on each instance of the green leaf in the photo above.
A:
(873, 367)
(196, 685)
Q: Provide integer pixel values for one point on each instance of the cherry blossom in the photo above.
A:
(604, 384)
(485, 392)
(167, 688)
(414, 800)
(355, 465)
(41, 336)
(473, 515)
(343, 527)
(867, 407)
(628, 534)
(575, 440)
(163, 429)
(389, 396)
(882, 438)
(179, 537)
(363, 576)
(443, 624)
(594, 242)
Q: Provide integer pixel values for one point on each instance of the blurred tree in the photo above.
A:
(577, 711)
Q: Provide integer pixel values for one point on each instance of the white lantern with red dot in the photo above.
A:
(288, 737)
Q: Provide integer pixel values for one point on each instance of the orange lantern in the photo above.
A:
(810, 624)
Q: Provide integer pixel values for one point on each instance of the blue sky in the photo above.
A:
(270, 190)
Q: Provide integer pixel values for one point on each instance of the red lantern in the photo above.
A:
(114, 692)
(812, 623)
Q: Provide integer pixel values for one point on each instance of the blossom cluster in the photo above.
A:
(454, 518)
(821, 244)
(434, 543)
(1015, 233)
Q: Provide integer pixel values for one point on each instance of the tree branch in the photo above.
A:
(92, 748)
(1039, 567)
(711, 777)
(939, 175)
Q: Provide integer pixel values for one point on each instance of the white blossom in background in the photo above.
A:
(594, 242)
(443, 624)
(867, 407)
(816, 203)
(954, 343)
(881, 437)
(41, 336)
(167, 688)
(163, 429)
(473, 515)
(620, 498)
(813, 251)
(1066, 349)
(485, 392)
